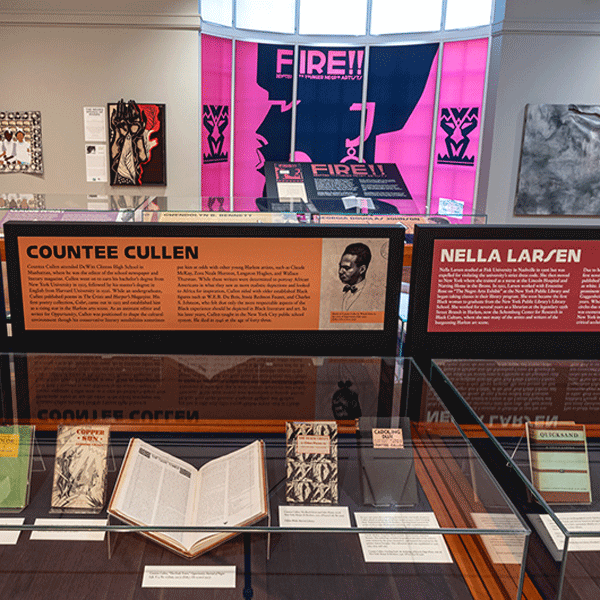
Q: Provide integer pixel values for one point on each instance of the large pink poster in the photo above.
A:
(459, 126)
(216, 60)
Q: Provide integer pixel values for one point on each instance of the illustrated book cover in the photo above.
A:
(558, 457)
(155, 488)
(16, 443)
(79, 484)
(311, 462)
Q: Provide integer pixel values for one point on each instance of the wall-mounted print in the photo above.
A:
(21, 142)
(560, 154)
(137, 143)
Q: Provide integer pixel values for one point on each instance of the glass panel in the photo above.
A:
(468, 13)
(329, 103)
(216, 112)
(263, 116)
(405, 16)
(266, 15)
(458, 127)
(333, 17)
(169, 419)
(217, 11)
(536, 422)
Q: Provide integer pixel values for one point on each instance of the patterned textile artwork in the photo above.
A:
(21, 142)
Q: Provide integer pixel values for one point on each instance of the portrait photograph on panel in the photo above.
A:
(353, 288)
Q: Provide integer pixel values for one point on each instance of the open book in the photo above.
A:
(155, 488)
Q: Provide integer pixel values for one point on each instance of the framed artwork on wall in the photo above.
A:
(558, 172)
(21, 143)
(137, 143)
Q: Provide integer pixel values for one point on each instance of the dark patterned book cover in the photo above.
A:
(311, 462)
(79, 484)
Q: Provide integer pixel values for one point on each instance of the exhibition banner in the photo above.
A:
(186, 279)
(216, 122)
(458, 128)
(330, 83)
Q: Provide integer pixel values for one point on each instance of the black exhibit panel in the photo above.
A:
(133, 287)
(504, 292)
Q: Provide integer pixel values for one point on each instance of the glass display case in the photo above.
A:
(361, 500)
(537, 424)
(192, 209)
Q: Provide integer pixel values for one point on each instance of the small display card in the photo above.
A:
(502, 548)
(188, 577)
(64, 534)
(402, 547)
(9, 537)
(314, 516)
(387, 438)
(574, 522)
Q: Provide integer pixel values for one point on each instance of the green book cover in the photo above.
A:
(15, 465)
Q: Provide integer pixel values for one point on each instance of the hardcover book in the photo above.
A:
(558, 457)
(16, 442)
(311, 462)
(155, 488)
(79, 484)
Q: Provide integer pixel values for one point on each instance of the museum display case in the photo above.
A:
(360, 500)
(536, 423)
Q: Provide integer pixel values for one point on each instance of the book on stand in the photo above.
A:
(155, 488)
(16, 454)
(311, 462)
(558, 458)
(387, 466)
(80, 466)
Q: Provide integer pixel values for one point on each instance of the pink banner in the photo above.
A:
(251, 106)
(216, 57)
(410, 148)
(459, 126)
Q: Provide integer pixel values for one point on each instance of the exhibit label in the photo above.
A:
(182, 284)
(515, 286)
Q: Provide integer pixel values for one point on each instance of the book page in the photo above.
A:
(158, 488)
(230, 490)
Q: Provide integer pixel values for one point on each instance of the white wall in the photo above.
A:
(542, 53)
(57, 69)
